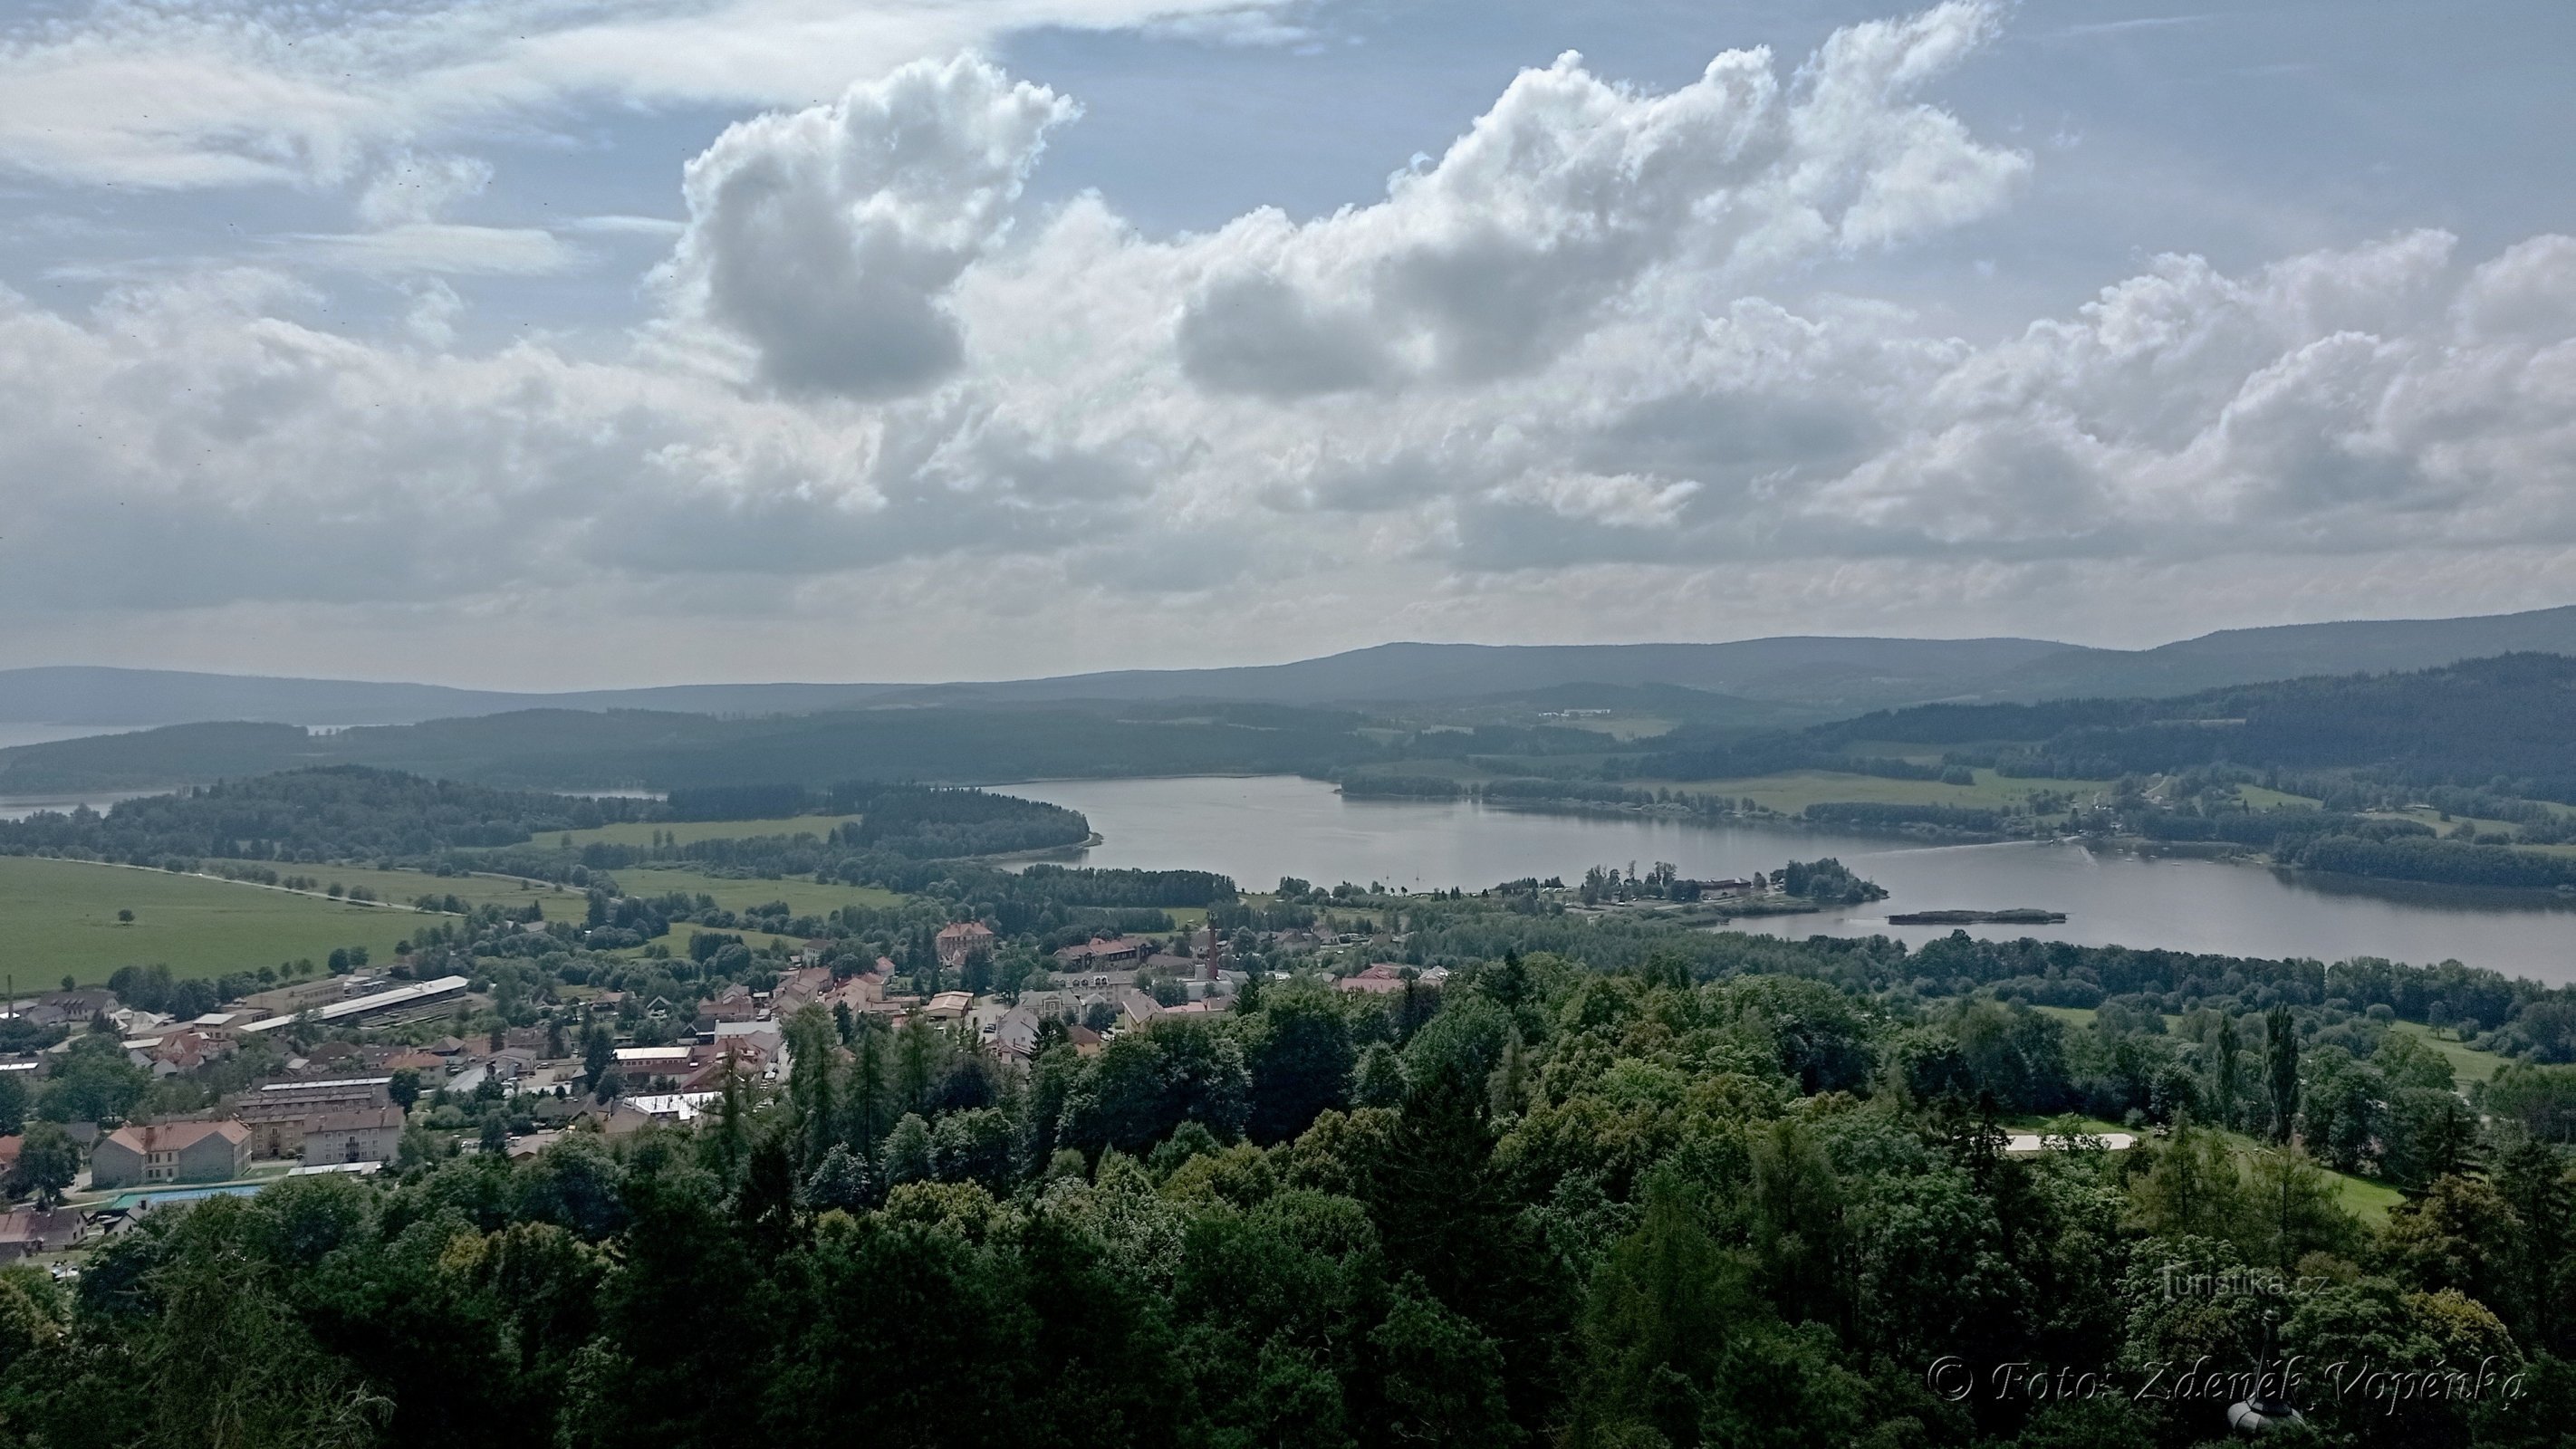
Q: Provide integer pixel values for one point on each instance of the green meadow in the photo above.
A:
(59, 918)
(402, 887)
(2468, 1064)
(802, 895)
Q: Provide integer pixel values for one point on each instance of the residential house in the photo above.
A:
(276, 1112)
(335, 1056)
(135, 1021)
(964, 939)
(1135, 1008)
(732, 1004)
(1014, 1034)
(1385, 978)
(528, 1144)
(798, 989)
(638, 1066)
(369, 1134)
(947, 1006)
(69, 1008)
(1177, 968)
(27, 1232)
(1122, 950)
(165, 1152)
(860, 992)
(183, 1050)
(753, 1048)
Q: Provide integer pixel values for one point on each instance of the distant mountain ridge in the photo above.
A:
(1821, 675)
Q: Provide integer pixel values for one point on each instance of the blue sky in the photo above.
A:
(534, 342)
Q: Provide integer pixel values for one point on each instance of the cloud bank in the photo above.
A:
(1571, 378)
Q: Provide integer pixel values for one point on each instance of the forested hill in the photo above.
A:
(2470, 723)
(2464, 724)
(576, 750)
(354, 814)
(1817, 677)
(337, 814)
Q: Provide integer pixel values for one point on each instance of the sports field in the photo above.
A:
(58, 918)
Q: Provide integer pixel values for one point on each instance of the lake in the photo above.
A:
(1262, 828)
(19, 807)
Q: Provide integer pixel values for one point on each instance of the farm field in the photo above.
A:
(1792, 791)
(641, 832)
(59, 918)
(1795, 790)
(402, 887)
(802, 895)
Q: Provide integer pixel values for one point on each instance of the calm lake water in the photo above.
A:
(1260, 829)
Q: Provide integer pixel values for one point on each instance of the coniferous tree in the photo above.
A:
(2281, 1070)
(916, 1065)
(2532, 1178)
(2226, 1079)
(869, 1110)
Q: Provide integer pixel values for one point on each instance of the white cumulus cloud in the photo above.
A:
(1573, 378)
(826, 239)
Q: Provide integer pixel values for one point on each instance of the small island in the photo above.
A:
(1800, 887)
(2011, 916)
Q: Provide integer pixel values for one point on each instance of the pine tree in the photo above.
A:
(814, 1054)
(869, 1114)
(2226, 1084)
(917, 1066)
(2281, 1070)
(2532, 1177)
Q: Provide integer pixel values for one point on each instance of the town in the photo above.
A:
(356, 1073)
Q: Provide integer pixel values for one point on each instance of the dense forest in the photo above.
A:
(353, 814)
(584, 750)
(1672, 1189)
(2486, 724)
(344, 813)
(2469, 724)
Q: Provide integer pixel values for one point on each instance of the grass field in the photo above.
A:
(59, 919)
(1795, 790)
(802, 895)
(2261, 798)
(2468, 1064)
(405, 886)
(2365, 1198)
(635, 832)
(2082, 1017)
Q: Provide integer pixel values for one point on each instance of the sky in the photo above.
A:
(585, 343)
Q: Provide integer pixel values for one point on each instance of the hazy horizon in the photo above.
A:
(614, 685)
